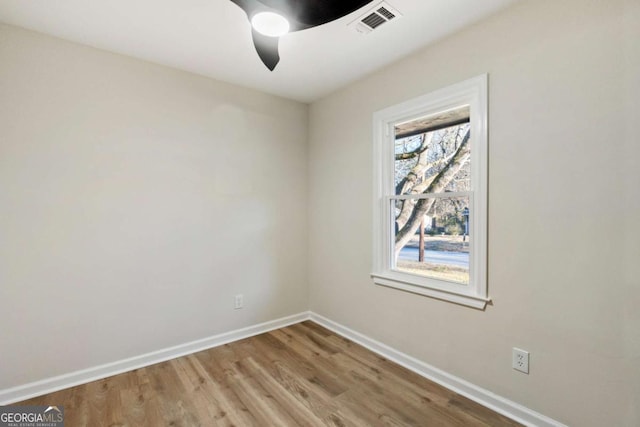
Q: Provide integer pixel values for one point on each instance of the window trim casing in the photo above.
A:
(472, 92)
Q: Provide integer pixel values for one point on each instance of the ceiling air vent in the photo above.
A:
(375, 17)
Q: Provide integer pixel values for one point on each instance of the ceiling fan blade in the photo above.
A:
(267, 48)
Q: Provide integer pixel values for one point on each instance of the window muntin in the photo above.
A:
(430, 172)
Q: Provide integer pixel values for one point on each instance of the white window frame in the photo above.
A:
(472, 92)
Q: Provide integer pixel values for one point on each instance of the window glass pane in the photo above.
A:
(441, 250)
(436, 159)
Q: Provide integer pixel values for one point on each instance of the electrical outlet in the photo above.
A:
(520, 360)
(239, 303)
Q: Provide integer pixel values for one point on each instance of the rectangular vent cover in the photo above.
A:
(375, 17)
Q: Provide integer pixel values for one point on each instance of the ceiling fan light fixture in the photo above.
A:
(270, 24)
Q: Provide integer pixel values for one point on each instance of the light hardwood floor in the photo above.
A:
(299, 375)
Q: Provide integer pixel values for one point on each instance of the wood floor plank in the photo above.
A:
(172, 397)
(307, 362)
(134, 411)
(218, 382)
(418, 392)
(206, 406)
(302, 375)
(301, 386)
(299, 412)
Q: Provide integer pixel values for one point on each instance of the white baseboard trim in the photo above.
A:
(484, 397)
(49, 385)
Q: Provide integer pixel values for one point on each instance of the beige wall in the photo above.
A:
(563, 210)
(136, 201)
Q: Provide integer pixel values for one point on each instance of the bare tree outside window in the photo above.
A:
(430, 232)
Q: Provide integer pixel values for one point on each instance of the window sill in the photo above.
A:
(463, 298)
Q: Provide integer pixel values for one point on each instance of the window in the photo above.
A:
(430, 194)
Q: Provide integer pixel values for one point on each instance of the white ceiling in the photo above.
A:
(213, 38)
